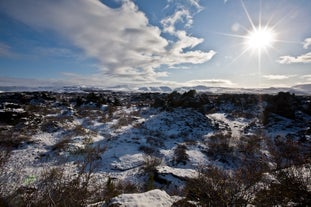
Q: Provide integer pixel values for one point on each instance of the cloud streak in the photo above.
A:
(307, 43)
(121, 40)
(305, 58)
(210, 82)
(277, 77)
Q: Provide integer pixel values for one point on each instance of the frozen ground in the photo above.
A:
(129, 136)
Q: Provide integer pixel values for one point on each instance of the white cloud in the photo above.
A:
(307, 77)
(179, 16)
(210, 82)
(305, 58)
(122, 39)
(307, 43)
(184, 41)
(277, 77)
(191, 4)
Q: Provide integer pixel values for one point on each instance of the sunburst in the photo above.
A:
(257, 39)
(260, 39)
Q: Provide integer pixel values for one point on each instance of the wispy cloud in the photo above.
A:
(192, 83)
(307, 43)
(278, 77)
(306, 77)
(122, 40)
(305, 58)
(210, 82)
(184, 40)
(190, 4)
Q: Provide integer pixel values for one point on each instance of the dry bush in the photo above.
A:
(287, 152)
(111, 110)
(155, 141)
(219, 148)
(55, 188)
(250, 145)
(135, 113)
(13, 139)
(147, 150)
(180, 155)
(150, 170)
(78, 130)
(289, 189)
(215, 187)
(124, 120)
(50, 126)
(4, 155)
(62, 144)
(183, 203)
(151, 163)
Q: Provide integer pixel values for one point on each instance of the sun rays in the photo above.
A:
(257, 38)
(260, 39)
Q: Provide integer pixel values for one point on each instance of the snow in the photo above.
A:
(129, 161)
(153, 198)
(158, 130)
(236, 126)
(179, 172)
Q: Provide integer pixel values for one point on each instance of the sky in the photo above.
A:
(106, 43)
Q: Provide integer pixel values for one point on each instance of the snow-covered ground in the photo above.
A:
(153, 198)
(127, 137)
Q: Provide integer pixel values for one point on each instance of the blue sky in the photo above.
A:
(164, 42)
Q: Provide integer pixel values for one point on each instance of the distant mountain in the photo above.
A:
(303, 89)
(162, 89)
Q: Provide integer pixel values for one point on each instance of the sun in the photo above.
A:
(260, 38)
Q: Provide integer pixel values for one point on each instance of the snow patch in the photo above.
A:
(153, 198)
(179, 172)
(128, 161)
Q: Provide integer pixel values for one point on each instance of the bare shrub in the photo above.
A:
(249, 145)
(12, 139)
(155, 141)
(62, 144)
(289, 189)
(122, 121)
(215, 187)
(286, 152)
(180, 154)
(150, 170)
(50, 126)
(151, 163)
(219, 147)
(147, 150)
(113, 188)
(56, 188)
(183, 203)
(4, 155)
